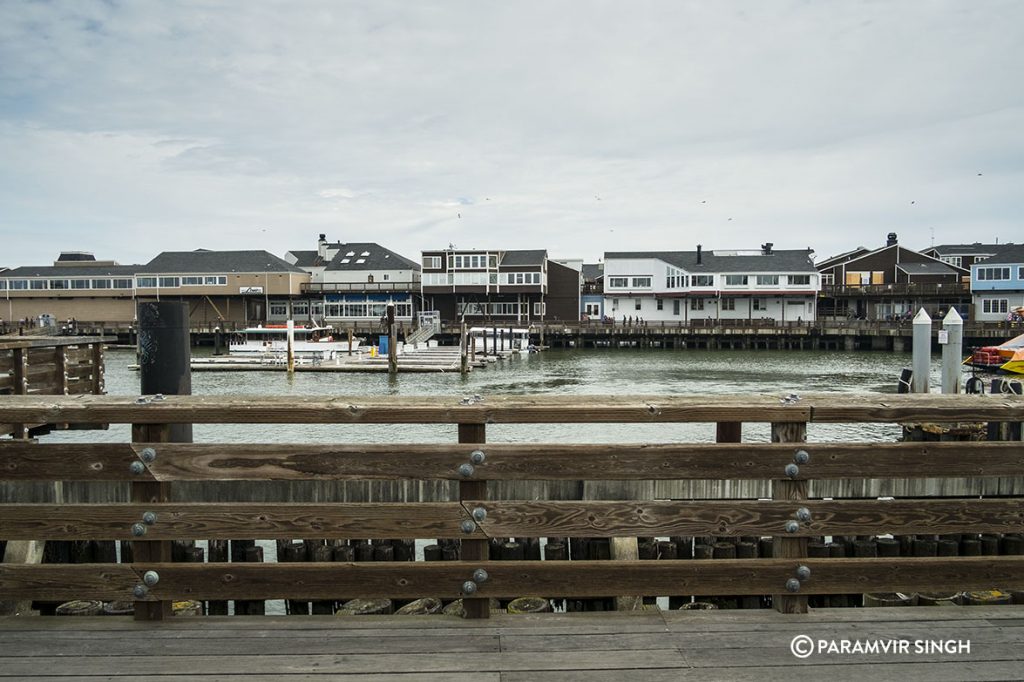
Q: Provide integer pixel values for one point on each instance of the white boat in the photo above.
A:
(310, 342)
(515, 339)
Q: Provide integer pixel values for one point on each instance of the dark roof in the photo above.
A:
(591, 271)
(523, 257)
(933, 268)
(308, 259)
(173, 262)
(377, 258)
(724, 261)
(68, 256)
(1006, 254)
(975, 249)
(847, 255)
(73, 271)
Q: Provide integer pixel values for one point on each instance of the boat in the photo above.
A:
(310, 342)
(514, 340)
(1006, 357)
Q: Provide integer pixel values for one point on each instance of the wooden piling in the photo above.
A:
(217, 553)
(474, 550)
(793, 491)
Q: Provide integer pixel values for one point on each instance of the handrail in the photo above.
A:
(152, 520)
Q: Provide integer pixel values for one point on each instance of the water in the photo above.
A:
(556, 372)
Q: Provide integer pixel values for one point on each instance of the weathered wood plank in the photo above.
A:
(748, 517)
(790, 492)
(506, 461)
(509, 579)
(474, 549)
(147, 492)
(183, 521)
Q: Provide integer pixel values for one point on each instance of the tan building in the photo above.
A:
(229, 286)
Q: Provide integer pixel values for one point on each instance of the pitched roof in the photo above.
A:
(975, 249)
(69, 256)
(933, 268)
(308, 259)
(1007, 254)
(591, 271)
(83, 271)
(218, 262)
(523, 257)
(846, 255)
(798, 260)
(373, 257)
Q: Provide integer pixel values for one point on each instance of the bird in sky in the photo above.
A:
(459, 214)
(913, 202)
(704, 201)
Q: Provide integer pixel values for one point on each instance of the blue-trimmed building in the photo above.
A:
(997, 284)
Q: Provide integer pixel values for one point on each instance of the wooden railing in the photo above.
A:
(152, 466)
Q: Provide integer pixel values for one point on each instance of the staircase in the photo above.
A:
(429, 324)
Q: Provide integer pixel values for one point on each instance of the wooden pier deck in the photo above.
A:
(591, 647)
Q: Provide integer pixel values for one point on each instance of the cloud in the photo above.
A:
(728, 124)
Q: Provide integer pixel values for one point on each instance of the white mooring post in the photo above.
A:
(952, 351)
(922, 352)
(291, 346)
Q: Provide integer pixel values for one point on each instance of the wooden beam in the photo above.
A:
(793, 493)
(54, 582)
(23, 553)
(507, 461)
(147, 551)
(473, 550)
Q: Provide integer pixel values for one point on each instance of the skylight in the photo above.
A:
(344, 260)
(365, 253)
(351, 253)
(360, 260)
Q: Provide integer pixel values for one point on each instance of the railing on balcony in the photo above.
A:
(365, 287)
(900, 289)
(152, 465)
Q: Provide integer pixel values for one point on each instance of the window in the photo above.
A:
(58, 284)
(79, 284)
(702, 280)
(170, 282)
(952, 260)
(641, 282)
(660, 303)
(278, 309)
(350, 254)
(492, 278)
(346, 260)
(735, 280)
(19, 284)
(767, 280)
(696, 304)
(728, 304)
(637, 304)
(386, 276)
(3, 284)
(760, 304)
(519, 278)
(300, 308)
(360, 260)
(122, 284)
(618, 282)
(800, 280)
(828, 279)
(988, 274)
(994, 305)
(364, 254)
(539, 309)
(146, 282)
(1020, 273)
(675, 307)
(458, 261)
(191, 281)
(432, 262)
(215, 280)
(799, 303)
(37, 284)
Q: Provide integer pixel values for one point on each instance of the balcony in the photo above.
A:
(364, 287)
(900, 289)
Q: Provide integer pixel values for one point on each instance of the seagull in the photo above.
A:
(704, 201)
(730, 218)
(459, 214)
(597, 197)
(913, 202)
(979, 175)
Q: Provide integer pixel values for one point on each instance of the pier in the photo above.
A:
(774, 565)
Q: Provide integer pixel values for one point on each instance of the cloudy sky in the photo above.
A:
(135, 127)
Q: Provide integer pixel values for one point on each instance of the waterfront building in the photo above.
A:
(592, 298)
(962, 255)
(500, 287)
(695, 286)
(890, 282)
(351, 283)
(997, 284)
(220, 286)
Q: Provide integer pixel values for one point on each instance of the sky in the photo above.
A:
(130, 128)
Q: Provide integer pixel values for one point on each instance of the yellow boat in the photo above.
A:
(1015, 365)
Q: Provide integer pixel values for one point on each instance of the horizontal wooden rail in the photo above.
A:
(182, 521)
(823, 408)
(507, 578)
(232, 520)
(26, 461)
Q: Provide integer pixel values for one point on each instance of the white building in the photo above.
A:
(691, 286)
(352, 282)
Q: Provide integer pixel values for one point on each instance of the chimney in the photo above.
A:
(321, 247)
(891, 239)
(766, 248)
(698, 254)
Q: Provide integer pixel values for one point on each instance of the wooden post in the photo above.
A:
(793, 491)
(98, 371)
(60, 361)
(218, 553)
(463, 351)
(625, 549)
(474, 550)
(20, 359)
(392, 340)
(350, 340)
(147, 551)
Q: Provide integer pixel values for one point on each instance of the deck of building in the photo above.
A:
(650, 646)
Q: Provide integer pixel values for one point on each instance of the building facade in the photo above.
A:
(352, 283)
(962, 255)
(713, 285)
(997, 284)
(499, 287)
